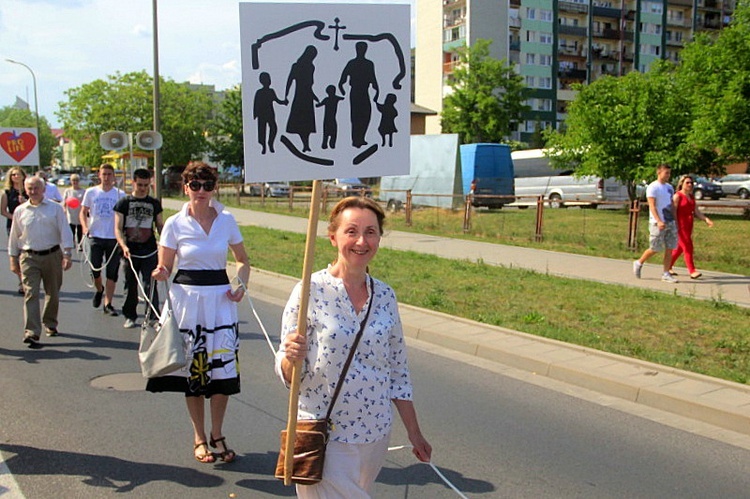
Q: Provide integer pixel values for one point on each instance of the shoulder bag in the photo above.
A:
(162, 348)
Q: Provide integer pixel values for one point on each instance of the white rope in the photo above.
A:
(90, 280)
(255, 314)
(273, 352)
(142, 288)
(434, 468)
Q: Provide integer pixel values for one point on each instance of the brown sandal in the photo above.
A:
(227, 455)
(206, 456)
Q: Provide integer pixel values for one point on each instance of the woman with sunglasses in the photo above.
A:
(13, 195)
(686, 210)
(205, 306)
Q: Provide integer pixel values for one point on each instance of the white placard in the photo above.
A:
(305, 68)
(19, 147)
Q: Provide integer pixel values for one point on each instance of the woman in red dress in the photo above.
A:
(686, 210)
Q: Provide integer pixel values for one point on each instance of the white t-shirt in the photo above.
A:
(197, 250)
(662, 194)
(101, 206)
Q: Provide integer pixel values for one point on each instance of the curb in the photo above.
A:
(711, 400)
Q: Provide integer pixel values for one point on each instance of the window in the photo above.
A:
(530, 58)
(545, 38)
(546, 15)
(530, 81)
(545, 60)
(531, 36)
(545, 82)
(530, 13)
(543, 105)
(652, 7)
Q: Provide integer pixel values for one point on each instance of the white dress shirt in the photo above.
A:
(39, 228)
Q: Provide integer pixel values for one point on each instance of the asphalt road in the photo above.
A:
(75, 422)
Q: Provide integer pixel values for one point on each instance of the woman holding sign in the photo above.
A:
(378, 376)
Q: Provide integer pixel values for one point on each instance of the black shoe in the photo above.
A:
(31, 339)
(97, 299)
(110, 310)
(51, 331)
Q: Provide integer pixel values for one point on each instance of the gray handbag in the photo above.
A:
(162, 348)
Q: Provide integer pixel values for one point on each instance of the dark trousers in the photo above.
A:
(144, 267)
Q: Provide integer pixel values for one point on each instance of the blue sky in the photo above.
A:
(68, 43)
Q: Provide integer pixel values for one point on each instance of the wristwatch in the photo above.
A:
(66, 254)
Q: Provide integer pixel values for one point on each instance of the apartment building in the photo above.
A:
(554, 44)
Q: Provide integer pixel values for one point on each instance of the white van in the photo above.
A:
(562, 190)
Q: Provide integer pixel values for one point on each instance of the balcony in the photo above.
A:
(451, 21)
(607, 12)
(570, 52)
(711, 24)
(514, 22)
(679, 22)
(572, 74)
(573, 7)
(449, 67)
(563, 29)
(612, 34)
(675, 43)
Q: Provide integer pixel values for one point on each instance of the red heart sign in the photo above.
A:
(17, 146)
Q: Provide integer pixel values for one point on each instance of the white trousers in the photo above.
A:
(349, 471)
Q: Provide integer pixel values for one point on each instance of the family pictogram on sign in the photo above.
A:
(326, 91)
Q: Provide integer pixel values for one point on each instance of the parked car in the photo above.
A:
(704, 188)
(737, 184)
(347, 187)
(270, 189)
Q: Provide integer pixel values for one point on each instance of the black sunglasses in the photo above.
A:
(195, 185)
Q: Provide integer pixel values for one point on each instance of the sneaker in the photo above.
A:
(51, 331)
(109, 310)
(637, 266)
(668, 278)
(97, 299)
(129, 324)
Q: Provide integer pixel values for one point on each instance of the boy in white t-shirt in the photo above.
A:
(98, 224)
(662, 227)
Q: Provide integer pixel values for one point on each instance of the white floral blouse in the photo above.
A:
(378, 372)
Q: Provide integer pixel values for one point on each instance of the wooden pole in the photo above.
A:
(291, 424)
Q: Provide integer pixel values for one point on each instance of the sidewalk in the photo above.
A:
(711, 400)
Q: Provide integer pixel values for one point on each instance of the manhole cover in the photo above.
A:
(122, 382)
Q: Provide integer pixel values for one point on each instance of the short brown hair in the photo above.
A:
(198, 170)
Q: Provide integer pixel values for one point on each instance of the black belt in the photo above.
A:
(201, 277)
(43, 252)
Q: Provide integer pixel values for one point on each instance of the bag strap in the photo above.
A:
(352, 350)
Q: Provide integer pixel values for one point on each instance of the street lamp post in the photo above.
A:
(36, 100)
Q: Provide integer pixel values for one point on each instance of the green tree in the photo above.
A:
(226, 145)
(715, 74)
(486, 99)
(124, 102)
(24, 118)
(624, 127)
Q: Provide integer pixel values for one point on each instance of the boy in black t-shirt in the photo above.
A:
(136, 216)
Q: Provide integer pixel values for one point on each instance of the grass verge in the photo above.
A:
(699, 336)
